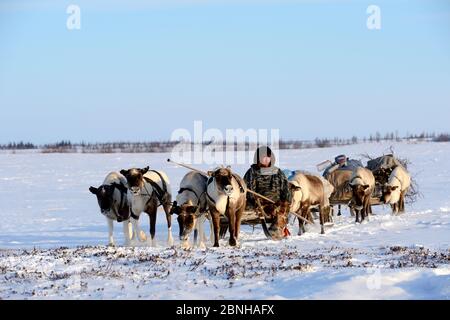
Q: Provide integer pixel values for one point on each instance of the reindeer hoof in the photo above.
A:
(232, 242)
(111, 245)
(142, 236)
(185, 245)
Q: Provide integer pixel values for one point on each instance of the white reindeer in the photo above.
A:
(149, 189)
(395, 190)
(114, 204)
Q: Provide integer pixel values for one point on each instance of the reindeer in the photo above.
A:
(191, 206)
(395, 190)
(149, 189)
(363, 185)
(308, 191)
(114, 204)
(226, 194)
(340, 179)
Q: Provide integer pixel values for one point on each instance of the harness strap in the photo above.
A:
(188, 189)
(241, 187)
(210, 180)
(193, 191)
(123, 193)
(157, 189)
(120, 187)
(164, 184)
(135, 217)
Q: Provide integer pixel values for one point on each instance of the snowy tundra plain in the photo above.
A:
(53, 238)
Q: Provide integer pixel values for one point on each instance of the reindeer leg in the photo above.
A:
(393, 207)
(237, 228)
(330, 214)
(223, 230)
(167, 207)
(300, 223)
(402, 202)
(310, 215)
(400, 205)
(195, 235)
(211, 228)
(339, 210)
(110, 232)
(215, 216)
(138, 234)
(201, 230)
(127, 232)
(202, 226)
(232, 224)
(368, 208)
(322, 220)
(152, 217)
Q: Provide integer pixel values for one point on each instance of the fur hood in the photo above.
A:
(263, 151)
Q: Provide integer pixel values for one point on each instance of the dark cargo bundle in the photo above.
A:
(382, 167)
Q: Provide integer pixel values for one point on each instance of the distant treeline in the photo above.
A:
(18, 146)
(167, 146)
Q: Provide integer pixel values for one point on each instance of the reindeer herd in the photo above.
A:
(220, 197)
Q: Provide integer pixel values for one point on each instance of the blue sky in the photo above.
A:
(137, 70)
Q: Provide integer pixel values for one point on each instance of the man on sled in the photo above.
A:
(268, 180)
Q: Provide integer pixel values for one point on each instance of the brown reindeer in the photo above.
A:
(340, 180)
(308, 191)
(226, 194)
(363, 184)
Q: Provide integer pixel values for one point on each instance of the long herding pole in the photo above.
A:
(207, 175)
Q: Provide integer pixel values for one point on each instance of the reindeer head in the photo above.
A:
(223, 178)
(278, 228)
(391, 194)
(297, 195)
(187, 217)
(359, 192)
(105, 194)
(135, 178)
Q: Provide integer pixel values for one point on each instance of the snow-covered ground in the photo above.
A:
(52, 238)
